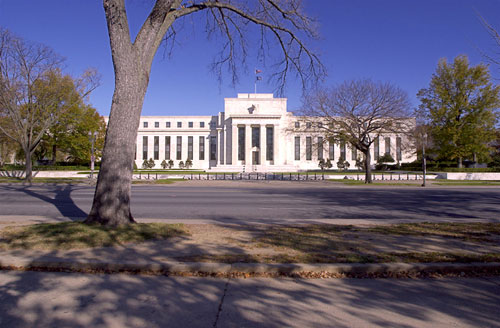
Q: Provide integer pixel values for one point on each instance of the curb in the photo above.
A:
(252, 269)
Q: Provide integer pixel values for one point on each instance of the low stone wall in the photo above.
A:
(469, 175)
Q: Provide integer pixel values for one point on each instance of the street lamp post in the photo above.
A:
(92, 137)
(424, 164)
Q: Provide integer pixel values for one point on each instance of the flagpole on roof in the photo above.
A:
(257, 78)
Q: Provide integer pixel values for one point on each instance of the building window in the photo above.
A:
(354, 152)
(145, 147)
(202, 148)
(179, 148)
(179, 124)
(320, 125)
(297, 124)
(202, 124)
(320, 148)
(399, 155)
(256, 136)
(157, 124)
(167, 147)
(331, 150)
(156, 153)
(388, 145)
(190, 124)
(212, 125)
(342, 150)
(167, 124)
(297, 148)
(270, 143)
(308, 148)
(241, 143)
(190, 148)
(213, 148)
(308, 125)
(376, 149)
(145, 124)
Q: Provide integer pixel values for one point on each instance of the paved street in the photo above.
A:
(35, 299)
(264, 202)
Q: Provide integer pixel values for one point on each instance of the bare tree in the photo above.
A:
(491, 57)
(357, 113)
(278, 20)
(33, 92)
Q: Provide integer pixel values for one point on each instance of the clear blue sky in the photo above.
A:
(399, 41)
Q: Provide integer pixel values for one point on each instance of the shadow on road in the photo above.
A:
(57, 195)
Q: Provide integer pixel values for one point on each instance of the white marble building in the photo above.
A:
(254, 133)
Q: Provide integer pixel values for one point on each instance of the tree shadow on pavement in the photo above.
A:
(61, 198)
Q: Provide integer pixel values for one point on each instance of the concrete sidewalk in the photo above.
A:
(58, 299)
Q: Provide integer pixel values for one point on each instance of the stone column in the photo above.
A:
(234, 144)
(248, 145)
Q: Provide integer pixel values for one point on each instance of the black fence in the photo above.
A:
(281, 176)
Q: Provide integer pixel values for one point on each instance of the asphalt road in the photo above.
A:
(261, 202)
(38, 299)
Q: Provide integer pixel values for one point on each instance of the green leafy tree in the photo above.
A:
(170, 164)
(34, 93)
(188, 164)
(181, 164)
(460, 105)
(145, 164)
(328, 163)
(164, 164)
(151, 163)
(322, 164)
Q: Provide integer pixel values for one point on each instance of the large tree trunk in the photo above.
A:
(111, 205)
(460, 162)
(368, 167)
(28, 166)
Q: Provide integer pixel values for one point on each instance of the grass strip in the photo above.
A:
(76, 235)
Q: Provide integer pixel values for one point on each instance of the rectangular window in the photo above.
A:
(167, 147)
(354, 152)
(320, 148)
(179, 148)
(241, 143)
(399, 155)
(157, 124)
(167, 124)
(179, 124)
(308, 125)
(190, 148)
(376, 148)
(157, 148)
(190, 124)
(270, 143)
(297, 148)
(256, 136)
(202, 124)
(145, 147)
(388, 145)
(212, 125)
(297, 125)
(342, 150)
(145, 124)
(213, 148)
(331, 150)
(202, 148)
(308, 148)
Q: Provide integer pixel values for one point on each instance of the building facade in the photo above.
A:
(255, 132)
